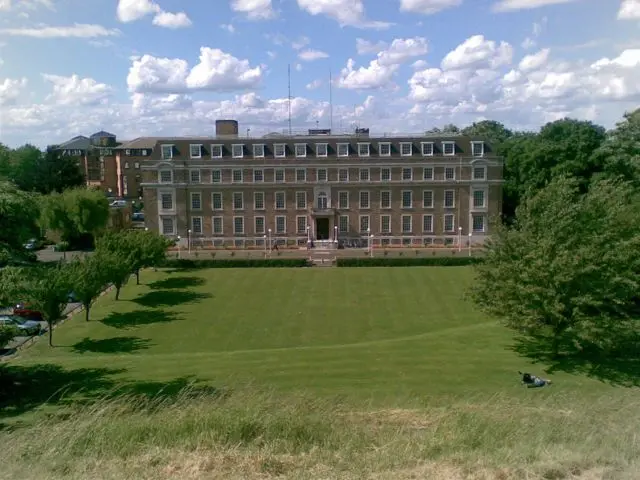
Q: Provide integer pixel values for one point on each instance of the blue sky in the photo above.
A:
(142, 67)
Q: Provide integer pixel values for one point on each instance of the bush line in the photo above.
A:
(180, 263)
(408, 262)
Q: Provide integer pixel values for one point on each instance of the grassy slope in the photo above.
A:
(402, 343)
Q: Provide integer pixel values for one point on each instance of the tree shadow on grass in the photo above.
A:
(138, 318)
(619, 368)
(168, 298)
(112, 345)
(183, 387)
(177, 283)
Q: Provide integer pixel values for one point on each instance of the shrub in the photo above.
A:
(185, 263)
(408, 262)
(63, 246)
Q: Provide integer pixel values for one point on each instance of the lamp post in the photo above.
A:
(459, 239)
(369, 239)
(269, 241)
(265, 245)
(371, 246)
(179, 246)
(308, 236)
(335, 234)
(469, 243)
(189, 241)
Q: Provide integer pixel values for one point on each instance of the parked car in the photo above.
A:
(118, 203)
(33, 244)
(23, 310)
(137, 217)
(26, 328)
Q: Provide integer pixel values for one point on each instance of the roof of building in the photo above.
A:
(102, 134)
(76, 143)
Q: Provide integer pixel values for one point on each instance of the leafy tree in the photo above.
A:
(116, 258)
(495, 132)
(18, 217)
(148, 249)
(567, 271)
(6, 335)
(75, 213)
(88, 279)
(620, 152)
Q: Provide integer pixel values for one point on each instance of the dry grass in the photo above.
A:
(247, 435)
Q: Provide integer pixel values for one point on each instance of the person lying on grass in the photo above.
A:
(531, 381)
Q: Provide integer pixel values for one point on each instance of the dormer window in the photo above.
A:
(427, 149)
(279, 150)
(343, 149)
(384, 149)
(167, 152)
(195, 151)
(127, 152)
(363, 149)
(237, 150)
(406, 149)
(301, 150)
(216, 151)
(258, 150)
(477, 149)
(449, 148)
(321, 149)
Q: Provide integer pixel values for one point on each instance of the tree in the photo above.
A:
(18, 217)
(495, 132)
(620, 152)
(75, 213)
(88, 279)
(6, 335)
(567, 271)
(117, 258)
(148, 249)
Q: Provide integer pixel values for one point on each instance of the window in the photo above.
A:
(167, 152)
(301, 224)
(427, 173)
(301, 175)
(216, 151)
(477, 149)
(195, 151)
(127, 152)
(258, 200)
(279, 175)
(236, 176)
(364, 199)
(449, 223)
(363, 149)
(136, 165)
(479, 173)
(449, 173)
(280, 201)
(196, 201)
(322, 201)
(478, 223)
(364, 174)
(364, 223)
(343, 223)
(321, 149)
(343, 175)
(166, 201)
(427, 223)
(385, 223)
(427, 149)
(322, 174)
(237, 151)
(216, 200)
(478, 199)
(407, 199)
(258, 150)
(258, 223)
(427, 199)
(407, 174)
(301, 150)
(301, 200)
(216, 176)
(258, 175)
(407, 224)
(279, 150)
(216, 225)
(343, 149)
(384, 149)
(126, 164)
(449, 148)
(385, 199)
(281, 224)
(238, 201)
(166, 176)
(449, 198)
(195, 176)
(343, 200)
(406, 149)
(196, 225)
(385, 174)
(167, 226)
(238, 225)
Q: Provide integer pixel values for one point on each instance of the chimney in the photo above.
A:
(228, 128)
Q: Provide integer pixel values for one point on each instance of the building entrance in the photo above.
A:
(322, 229)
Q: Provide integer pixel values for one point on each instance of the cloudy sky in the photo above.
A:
(144, 67)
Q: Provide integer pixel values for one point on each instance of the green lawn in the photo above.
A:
(385, 334)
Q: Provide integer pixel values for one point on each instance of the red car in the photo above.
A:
(23, 310)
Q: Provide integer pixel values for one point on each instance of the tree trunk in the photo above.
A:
(87, 307)
(138, 276)
(50, 333)
(118, 291)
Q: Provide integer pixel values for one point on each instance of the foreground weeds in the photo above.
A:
(245, 434)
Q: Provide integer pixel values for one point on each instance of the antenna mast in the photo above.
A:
(289, 97)
(330, 100)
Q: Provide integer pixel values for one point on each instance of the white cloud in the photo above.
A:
(365, 78)
(228, 27)
(427, 7)
(254, 9)
(345, 12)
(535, 61)
(172, 20)
(514, 5)
(8, 5)
(314, 85)
(216, 71)
(74, 90)
(477, 52)
(365, 47)
(403, 49)
(311, 55)
(11, 89)
(531, 41)
(300, 43)
(132, 10)
(629, 10)
(78, 30)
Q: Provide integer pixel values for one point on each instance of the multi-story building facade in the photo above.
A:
(231, 190)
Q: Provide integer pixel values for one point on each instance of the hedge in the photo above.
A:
(408, 262)
(187, 263)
